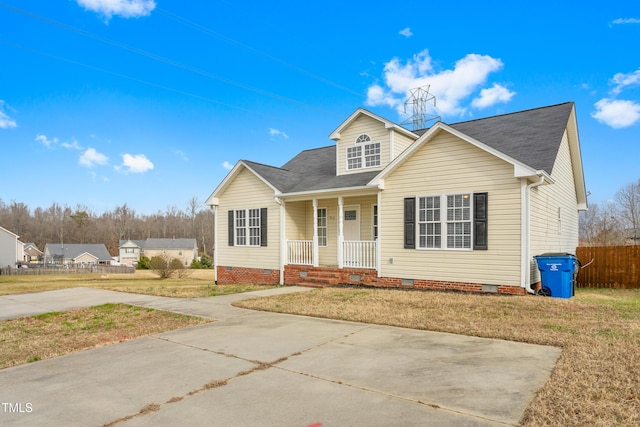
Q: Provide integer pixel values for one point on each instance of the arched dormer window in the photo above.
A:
(363, 138)
(363, 154)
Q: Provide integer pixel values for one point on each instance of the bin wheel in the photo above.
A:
(544, 292)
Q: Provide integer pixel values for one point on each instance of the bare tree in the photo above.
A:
(628, 200)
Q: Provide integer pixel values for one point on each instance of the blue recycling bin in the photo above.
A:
(558, 272)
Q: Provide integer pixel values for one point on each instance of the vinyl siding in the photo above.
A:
(8, 249)
(362, 125)
(547, 233)
(400, 143)
(249, 192)
(447, 165)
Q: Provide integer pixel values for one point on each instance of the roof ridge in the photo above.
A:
(263, 164)
(506, 114)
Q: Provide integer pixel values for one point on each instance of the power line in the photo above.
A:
(155, 57)
(237, 43)
(124, 76)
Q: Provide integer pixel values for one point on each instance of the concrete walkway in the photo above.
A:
(264, 369)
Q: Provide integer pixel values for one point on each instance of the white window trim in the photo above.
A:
(363, 145)
(443, 222)
(326, 227)
(247, 227)
(375, 222)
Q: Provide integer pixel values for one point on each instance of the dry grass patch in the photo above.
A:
(199, 284)
(595, 382)
(29, 339)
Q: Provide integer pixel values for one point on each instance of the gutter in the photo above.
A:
(526, 232)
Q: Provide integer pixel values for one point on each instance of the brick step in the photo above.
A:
(323, 274)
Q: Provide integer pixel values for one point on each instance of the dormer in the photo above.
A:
(366, 142)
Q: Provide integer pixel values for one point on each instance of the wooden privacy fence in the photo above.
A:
(612, 267)
(70, 269)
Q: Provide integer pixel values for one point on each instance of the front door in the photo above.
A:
(351, 229)
(351, 223)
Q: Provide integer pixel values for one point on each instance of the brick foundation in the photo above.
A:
(296, 274)
(255, 276)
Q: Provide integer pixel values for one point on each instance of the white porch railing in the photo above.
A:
(300, 252)
(360, 254)
(356, 254)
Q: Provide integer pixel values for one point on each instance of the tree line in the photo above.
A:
(614, 223)
(64, 224)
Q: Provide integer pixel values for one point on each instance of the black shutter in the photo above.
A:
(230, 228)
(410, 223)
(263, 227)
(480, 211)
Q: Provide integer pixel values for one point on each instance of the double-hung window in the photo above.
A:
(459, 221)
(444, 221)
(363, 154)
(247, 227)
(322, 226)
(429, 225)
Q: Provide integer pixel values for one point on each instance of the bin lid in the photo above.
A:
(555, 254)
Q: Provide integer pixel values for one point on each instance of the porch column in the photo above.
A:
(315, 233)
(283, 239)
(215, 244)
(340, 231)
(379, 242)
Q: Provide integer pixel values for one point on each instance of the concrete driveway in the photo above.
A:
(263, 369)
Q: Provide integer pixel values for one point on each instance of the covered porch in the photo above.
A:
(332, 232)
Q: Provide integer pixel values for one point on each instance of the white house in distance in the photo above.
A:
(461, 206)
(11, 249)
(186, 250)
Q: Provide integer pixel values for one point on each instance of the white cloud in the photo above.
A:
(623, 81)
(617, 113)
(451, 87)
(46, 141)
(182, 155)
(73, 145)
(135, 164)
(275, 132)
(228, 166)
(406, 32)
(91, 158)
(626, 21)
(492, 96)
(123, 8)
(5, 121)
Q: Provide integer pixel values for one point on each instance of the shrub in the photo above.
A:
(143, 263)
(206, 262)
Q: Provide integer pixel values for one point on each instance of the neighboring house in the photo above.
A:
(186, 250)
(32, 254)
(463, 206)
(77, 253)
(11, 249)
(130, 251)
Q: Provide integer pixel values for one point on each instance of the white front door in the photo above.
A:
(351, 223)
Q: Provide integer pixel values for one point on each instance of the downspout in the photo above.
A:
(215, 243)
(526, 231)
(283, 239)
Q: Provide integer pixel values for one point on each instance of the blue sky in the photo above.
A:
(150, 102)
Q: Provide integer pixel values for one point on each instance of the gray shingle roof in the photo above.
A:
(152, 243)
(532, 137)
(73, 250)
